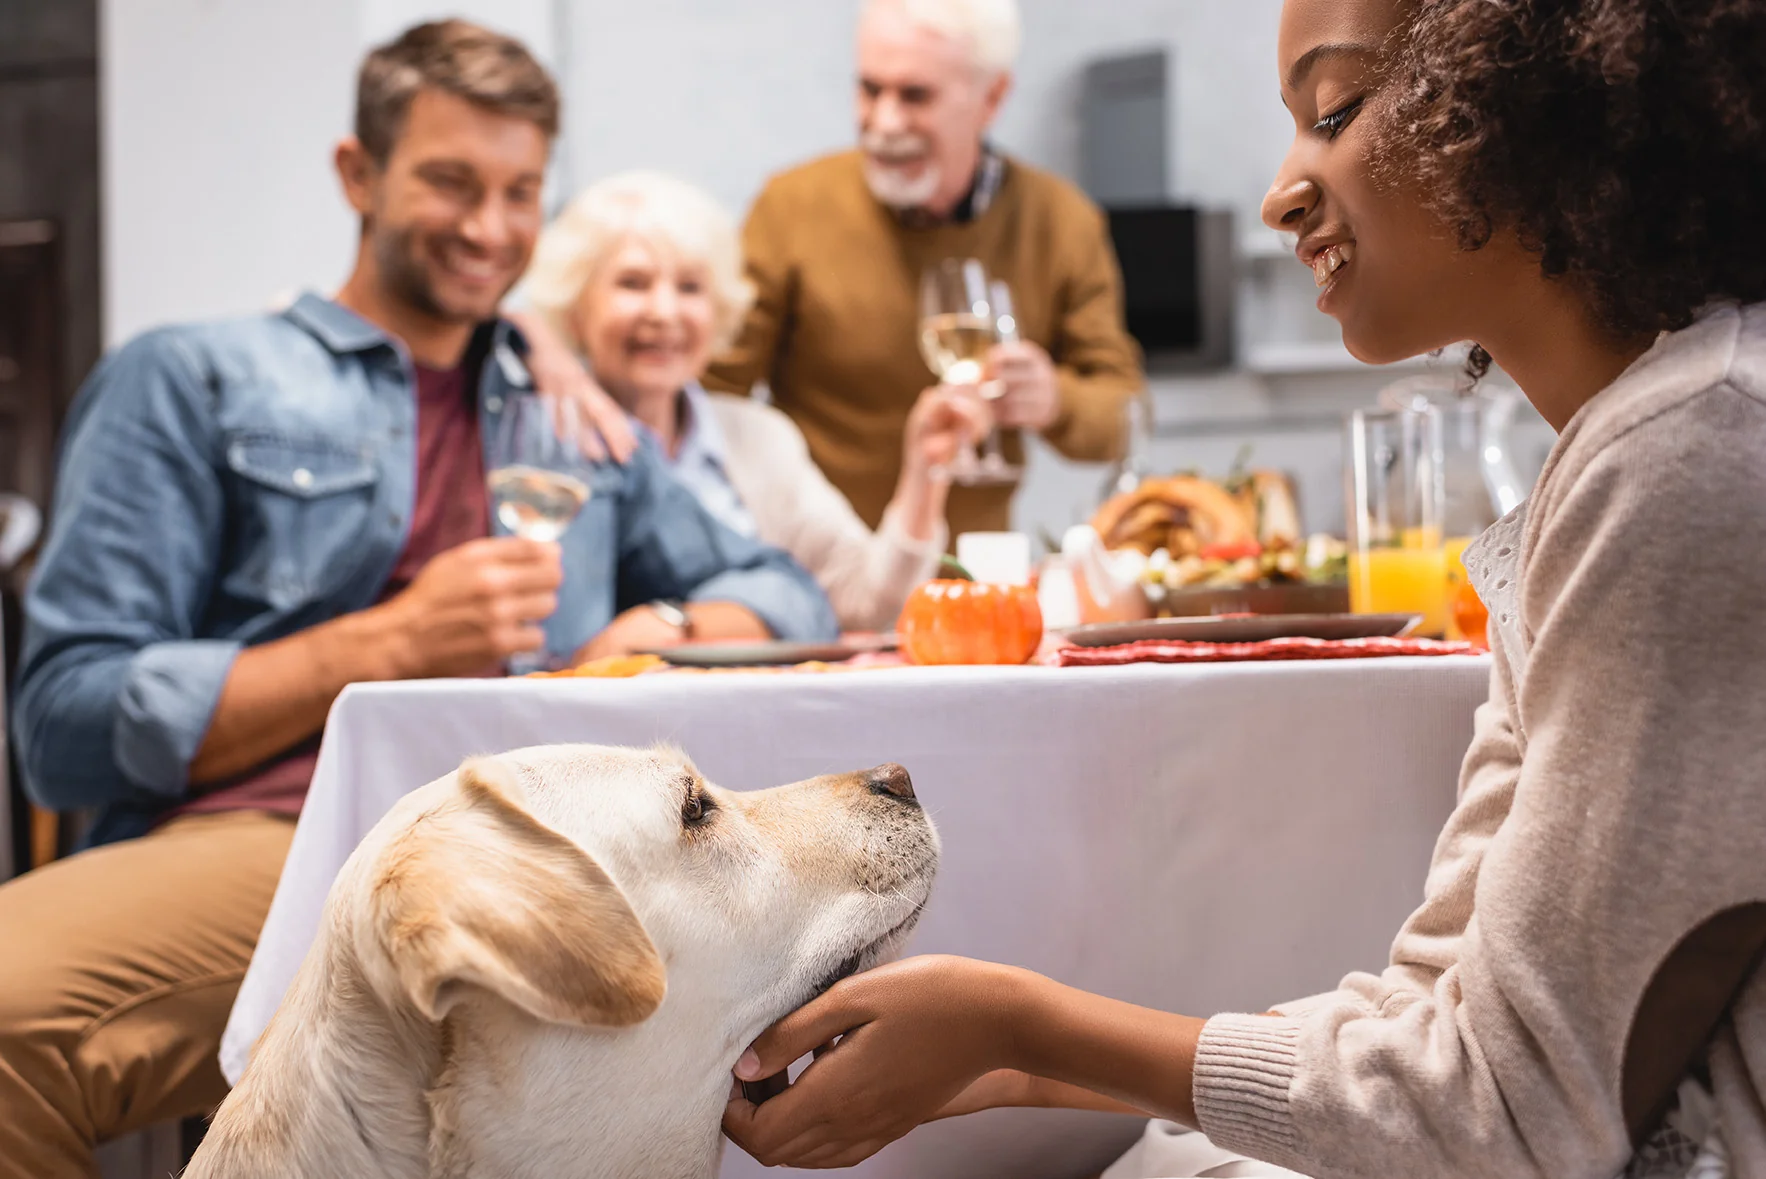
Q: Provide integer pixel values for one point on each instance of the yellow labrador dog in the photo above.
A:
(547, 963)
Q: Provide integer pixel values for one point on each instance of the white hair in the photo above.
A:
(658, 208)
(991, 28)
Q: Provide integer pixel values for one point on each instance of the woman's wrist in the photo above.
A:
(918, 505)
(1020, 1010)
(1140, 1057)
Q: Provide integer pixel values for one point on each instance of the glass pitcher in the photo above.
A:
(1480, 483)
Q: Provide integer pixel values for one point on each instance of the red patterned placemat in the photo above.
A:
(1166, 651)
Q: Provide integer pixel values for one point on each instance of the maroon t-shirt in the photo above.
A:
(452, 508)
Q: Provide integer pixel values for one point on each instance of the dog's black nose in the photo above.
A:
(892, 780)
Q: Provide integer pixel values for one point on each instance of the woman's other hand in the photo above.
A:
(582, 410)
(945, 419)
(914, 1036)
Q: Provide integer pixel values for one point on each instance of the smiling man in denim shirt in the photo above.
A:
(253, 515)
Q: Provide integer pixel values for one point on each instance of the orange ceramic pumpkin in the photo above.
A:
(970, 622)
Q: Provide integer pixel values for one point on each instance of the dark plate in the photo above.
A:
(771, 654)
(1253, 629)
(1290, 598)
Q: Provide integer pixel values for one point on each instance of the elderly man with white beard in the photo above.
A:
(836, 248)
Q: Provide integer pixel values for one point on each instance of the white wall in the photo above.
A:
(218, 120)
(722, 94)
(727, 94)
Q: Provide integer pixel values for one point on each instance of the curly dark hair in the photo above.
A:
(1624, 141)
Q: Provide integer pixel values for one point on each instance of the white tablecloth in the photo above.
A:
(1195, 838)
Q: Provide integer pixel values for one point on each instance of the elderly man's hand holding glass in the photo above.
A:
(1030, 398)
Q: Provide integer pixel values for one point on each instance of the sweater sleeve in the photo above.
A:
(1496, 1045)
(1097, 363)
(867, 575)
(767, 266)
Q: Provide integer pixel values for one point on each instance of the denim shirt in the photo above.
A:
(230, 484)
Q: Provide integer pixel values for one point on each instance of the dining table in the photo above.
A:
(1197, 838)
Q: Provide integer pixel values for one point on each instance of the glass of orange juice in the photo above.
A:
(1397, 553)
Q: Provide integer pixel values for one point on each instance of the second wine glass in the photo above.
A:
(958, 327)
(532, 493)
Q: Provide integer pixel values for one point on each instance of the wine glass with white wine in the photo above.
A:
(1005, 330)
(532, 495)
(957, 329)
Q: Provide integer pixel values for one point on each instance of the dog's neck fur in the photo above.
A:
(342, 1060)
(649, 1110)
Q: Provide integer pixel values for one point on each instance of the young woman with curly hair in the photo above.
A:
(1574, 185)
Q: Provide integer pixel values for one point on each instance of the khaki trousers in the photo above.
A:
(118, 967)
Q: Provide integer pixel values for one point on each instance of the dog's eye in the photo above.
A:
(697, 809)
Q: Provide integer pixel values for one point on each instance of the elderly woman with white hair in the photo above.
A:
(641, 277)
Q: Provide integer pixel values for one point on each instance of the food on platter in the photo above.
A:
(1186, 537)
(1182, 515)
(1185, 514)
(1268, 499)
(610, 667)
(1194, 532)
(1322, 559)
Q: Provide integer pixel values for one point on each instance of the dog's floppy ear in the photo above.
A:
(479, 893)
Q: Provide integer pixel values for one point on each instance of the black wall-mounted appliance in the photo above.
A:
(1179, 277)
(1178, 283)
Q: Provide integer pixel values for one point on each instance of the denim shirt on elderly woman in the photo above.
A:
(229, 484)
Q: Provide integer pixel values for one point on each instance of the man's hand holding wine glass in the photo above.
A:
(1029, 396)
(474, 607)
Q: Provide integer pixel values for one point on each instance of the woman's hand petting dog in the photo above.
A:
(913, 1036)
(933, 1038)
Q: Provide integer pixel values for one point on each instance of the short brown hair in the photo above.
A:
(458, 58)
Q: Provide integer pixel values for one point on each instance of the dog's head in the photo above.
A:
(548, 961)
(585, 885)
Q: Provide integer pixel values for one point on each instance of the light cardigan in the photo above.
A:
(867, 575)
(1612, 802)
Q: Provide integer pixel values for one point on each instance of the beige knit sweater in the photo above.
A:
(1612, 804)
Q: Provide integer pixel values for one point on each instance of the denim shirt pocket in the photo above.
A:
(300, 511)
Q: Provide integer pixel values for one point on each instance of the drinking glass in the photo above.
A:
(532, 495)
(1479, 482)
(957, 328)
(1397, 563)
(1005, 329)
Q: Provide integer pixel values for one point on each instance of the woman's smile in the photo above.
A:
(1329, 260)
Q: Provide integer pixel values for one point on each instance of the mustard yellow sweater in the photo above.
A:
(835, 329)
